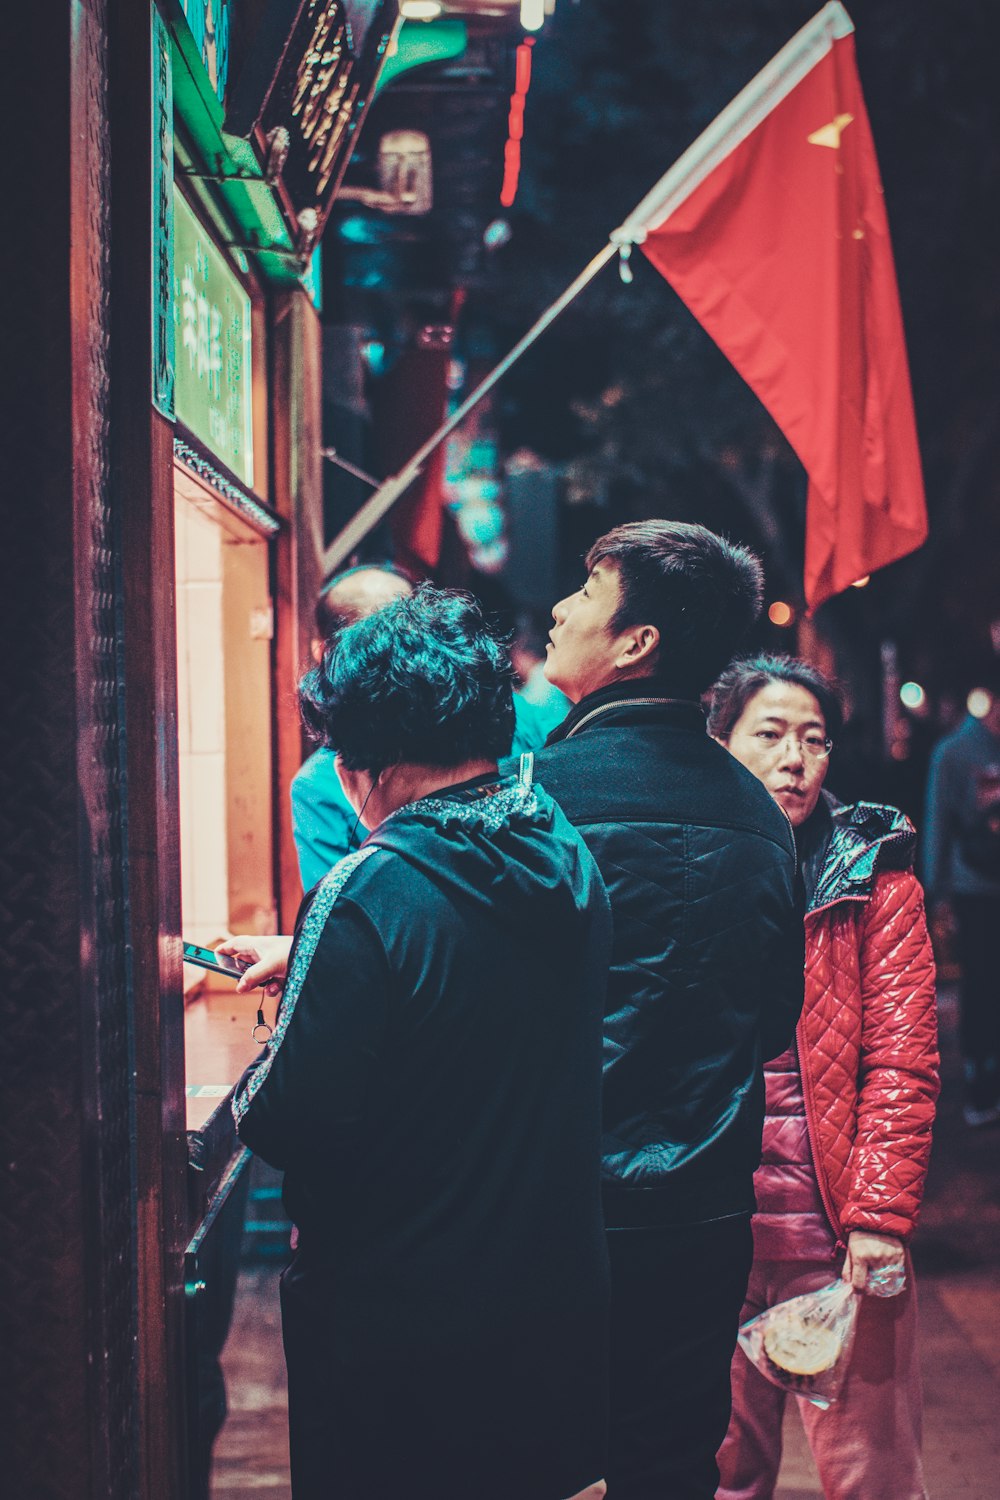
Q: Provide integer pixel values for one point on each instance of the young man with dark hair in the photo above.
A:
(706, 979)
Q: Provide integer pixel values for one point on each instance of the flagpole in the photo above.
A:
(385, 497)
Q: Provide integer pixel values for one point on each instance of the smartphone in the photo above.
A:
(206, 959)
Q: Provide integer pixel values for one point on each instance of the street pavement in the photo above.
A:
(957, 1258)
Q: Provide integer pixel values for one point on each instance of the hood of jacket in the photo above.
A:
(861, 839)
(503, 843)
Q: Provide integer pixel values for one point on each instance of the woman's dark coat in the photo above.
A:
(434, 1100)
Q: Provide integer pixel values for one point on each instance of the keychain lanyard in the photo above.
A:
(262, 1027)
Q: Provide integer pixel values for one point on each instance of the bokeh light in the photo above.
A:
(979, 702)
(496, 234)
(780, 613)
(912, 695)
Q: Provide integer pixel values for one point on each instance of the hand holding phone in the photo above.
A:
(219, 963)
(263, 961)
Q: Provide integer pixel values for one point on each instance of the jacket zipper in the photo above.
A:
(621, 703)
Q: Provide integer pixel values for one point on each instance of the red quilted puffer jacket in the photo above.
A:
(867, 1038)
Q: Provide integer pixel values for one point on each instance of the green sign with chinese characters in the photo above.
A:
(213, 388)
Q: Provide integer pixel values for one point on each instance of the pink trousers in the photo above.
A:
(867, 1444)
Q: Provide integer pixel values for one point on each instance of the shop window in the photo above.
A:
(223, 610)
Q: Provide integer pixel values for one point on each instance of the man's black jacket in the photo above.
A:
(706, 978)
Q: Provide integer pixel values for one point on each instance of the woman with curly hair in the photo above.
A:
(432, 1093)
(849, 1105)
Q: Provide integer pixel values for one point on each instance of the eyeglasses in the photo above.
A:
(812, 746)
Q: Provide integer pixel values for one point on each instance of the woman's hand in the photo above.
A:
(265, 961)
(871, 1258)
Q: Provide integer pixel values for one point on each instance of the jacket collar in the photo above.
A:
(636, 700)
(864, 839)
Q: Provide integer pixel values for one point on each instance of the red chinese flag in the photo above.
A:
(773, 230)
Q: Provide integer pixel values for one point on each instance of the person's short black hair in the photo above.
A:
(700, 591)
(422, 680)
(744, 678)
(329, 615)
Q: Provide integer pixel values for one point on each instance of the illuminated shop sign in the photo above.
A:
(307, 83)
(212, 330)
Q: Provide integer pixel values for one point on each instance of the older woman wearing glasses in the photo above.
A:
(849, 1105)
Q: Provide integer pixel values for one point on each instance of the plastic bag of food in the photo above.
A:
(804, 1345)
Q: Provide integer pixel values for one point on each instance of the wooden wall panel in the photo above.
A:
(143, 478)
(68, 1411)
(297, 494)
